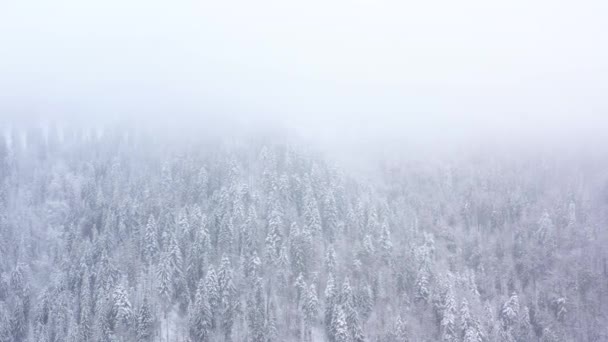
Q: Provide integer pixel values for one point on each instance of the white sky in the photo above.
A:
(359, 69)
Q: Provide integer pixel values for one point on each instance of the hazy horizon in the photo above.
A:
(351, 73)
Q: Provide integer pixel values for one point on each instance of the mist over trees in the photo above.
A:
(117, 234)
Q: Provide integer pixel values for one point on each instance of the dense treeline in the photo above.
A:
(117, 236)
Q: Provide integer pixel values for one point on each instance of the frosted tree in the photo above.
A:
(253, 265)
(86, 323)
(524, 327)
(352, 317)
(202, 182)
(18, 322)
(468, 326)
(197, 259)
(401, 331)
(122, 308)
(5, 327)
(104, 308)
(448, 317)
(201, 317)
(271, 324)
(364, 301)
(422, 286)
(226, 236)
(330, 303)
(256, 312)
(151, 240)
(330, 215)
(41, 334)
(386, 245)
(183, 224)
(373, 224)
(300, 286)
(471, 335)
(339, 326)
(545, 228)
(144, 323)
(301, 249)
(107, 274)
(330, 259)
(274, 236)
(368, 246)
(173, 256)
(164, 287)
(312, 217)
(213, 293)
(227, 297)
(310, 308)
(509, 312)
(560, 308)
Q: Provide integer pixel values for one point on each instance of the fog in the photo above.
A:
(343, 73)
(275, 170)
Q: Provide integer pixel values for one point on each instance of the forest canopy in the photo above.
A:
(115, 234)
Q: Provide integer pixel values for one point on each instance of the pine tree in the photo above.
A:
(18, 322)
(448, 319)
(364, 302)
(300, 245)
(524, 327)
(202, 182)
(199, 255)
(151, 240)
(104, 319)
(226, 236)
(183, 224)
(422, 286)
(178, 284)
(201, 318)
(312, 217)
(330, 303)
(274, 236)
(372, 221)
(41, 334)
(300, 286)
(256, 315)
(545, 227)
(465, 316)
(271, 325)
(107, 273)
(144, 323)
(163, 275)
(401, 332)
(469, 327)
(559, 307)
(331, 216)
(122, 306)
(310, 308)
(509, 311)
(85, 325)
(339, 326)
(164, 286)
(5, 331)
(227, 297)
(330, 259)
(213, 293)
(471, 335)
(386, 245)
(368, 247)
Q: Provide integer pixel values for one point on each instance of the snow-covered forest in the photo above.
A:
(120, 235)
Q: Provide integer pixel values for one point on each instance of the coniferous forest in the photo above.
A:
(125, 235)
